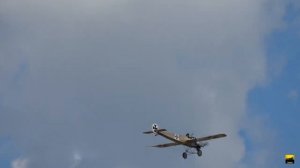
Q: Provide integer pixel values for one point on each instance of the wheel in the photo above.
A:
(184, 155)
(199, 153)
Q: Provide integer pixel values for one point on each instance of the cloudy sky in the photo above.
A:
(80, 81)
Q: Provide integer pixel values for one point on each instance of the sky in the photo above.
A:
(81, 81)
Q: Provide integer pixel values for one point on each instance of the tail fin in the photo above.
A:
(155, 130)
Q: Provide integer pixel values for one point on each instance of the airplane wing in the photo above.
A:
(166, 145)
(210, 137)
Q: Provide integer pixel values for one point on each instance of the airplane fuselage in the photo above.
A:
(182, 139)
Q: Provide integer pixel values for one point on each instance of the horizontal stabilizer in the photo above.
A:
(158, 130)
(148, 132)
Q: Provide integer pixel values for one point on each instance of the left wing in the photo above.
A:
(166, 145)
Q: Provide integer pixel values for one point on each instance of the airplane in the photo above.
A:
(193, 144)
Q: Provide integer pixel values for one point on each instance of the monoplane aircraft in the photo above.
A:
(193, 144)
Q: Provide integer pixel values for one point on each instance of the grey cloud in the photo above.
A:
(98, 73)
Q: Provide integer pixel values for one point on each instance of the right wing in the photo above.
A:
(166, 145)
(211, 137)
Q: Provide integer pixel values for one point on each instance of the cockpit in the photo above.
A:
(190, 136)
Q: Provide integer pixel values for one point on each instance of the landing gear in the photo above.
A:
(184, 155)
(196, 150)
(199, 153)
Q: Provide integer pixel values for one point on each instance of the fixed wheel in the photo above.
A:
(184, 155)
(199, 153)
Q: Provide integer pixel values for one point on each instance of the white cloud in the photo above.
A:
(20, 163)
(77, 158)
(264, 151)
(99, 72)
